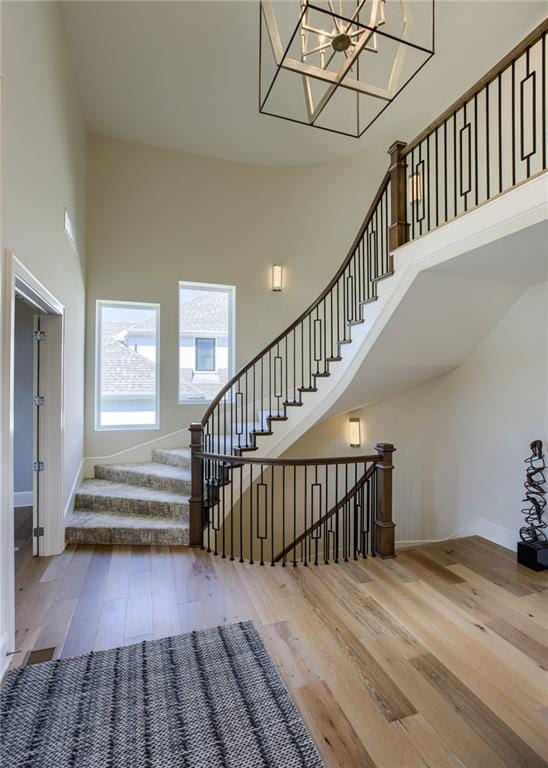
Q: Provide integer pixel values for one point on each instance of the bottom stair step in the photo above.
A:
(85, 526)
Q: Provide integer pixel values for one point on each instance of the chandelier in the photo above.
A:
(337, 64)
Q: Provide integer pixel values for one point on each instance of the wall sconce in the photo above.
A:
(277, 277)
(414, 189)
(354, 436)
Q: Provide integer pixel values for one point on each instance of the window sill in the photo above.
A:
(129, 428)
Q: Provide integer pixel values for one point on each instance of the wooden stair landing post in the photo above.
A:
(196, 501)
(398, 230)
(384, 526)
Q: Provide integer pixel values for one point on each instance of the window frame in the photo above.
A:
(100, 304)
(205, 370)
(215, 288)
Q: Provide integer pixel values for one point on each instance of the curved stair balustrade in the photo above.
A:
(295, 363)
(278, 377)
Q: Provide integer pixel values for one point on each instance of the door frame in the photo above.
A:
(19, 280)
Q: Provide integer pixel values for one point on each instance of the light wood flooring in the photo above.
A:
(436, 659)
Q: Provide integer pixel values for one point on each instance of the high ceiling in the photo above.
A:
(184, 75)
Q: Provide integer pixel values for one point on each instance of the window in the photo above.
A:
(127, 365)
(206, 340)
(205, 355)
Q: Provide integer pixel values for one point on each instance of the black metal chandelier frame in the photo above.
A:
(340, 82)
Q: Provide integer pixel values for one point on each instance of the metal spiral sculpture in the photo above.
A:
(535, 495)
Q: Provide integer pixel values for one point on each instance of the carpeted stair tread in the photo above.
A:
(175, 457)
(88, 526)
(98, 487)
(147, 474)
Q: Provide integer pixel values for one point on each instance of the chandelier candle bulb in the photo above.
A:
(277, 277)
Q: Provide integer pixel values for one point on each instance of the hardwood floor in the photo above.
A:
(436, 659)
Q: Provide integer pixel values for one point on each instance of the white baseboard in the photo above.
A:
(494, 532)
(75, 485)
(141, 452)
(23, 499)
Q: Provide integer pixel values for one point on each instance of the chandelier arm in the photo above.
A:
(335, 20)
(318, 48)
(326, 98)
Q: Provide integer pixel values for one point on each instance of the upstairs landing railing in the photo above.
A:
(486, 143)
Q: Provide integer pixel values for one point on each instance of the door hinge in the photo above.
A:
(39, 400)
(38, 531)
(39, 335)
(38, 466)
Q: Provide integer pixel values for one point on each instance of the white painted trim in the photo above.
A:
(494, 532)
(16, 275)
(78, 477)
(23, 499)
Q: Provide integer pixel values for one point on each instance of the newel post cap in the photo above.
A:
(385, 448)
(397, 147)
(196, 435)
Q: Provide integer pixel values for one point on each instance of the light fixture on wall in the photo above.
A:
(414, 188)
(277, 277)
(354, 436)
(337, 64)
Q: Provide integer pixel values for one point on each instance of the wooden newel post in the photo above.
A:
(384, 526)
(398, 229)
(196, 489)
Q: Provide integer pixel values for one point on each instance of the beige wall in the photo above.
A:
(462, 438)
(44, 147)
(156, 217)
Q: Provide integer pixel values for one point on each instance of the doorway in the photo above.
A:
(32, 373)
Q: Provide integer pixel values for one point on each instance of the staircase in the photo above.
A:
(232, 492)
(263, 507)
(138, 503)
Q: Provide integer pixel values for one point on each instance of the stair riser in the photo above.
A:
(133, 536)
(159, 483)
(172, 460)
(145, 507)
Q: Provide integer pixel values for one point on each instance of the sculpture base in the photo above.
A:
(534, 556)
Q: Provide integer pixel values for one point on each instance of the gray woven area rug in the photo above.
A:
(210, 698)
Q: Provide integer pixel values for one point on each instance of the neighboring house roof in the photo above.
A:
(207, 313)
(201, 390)
(145, 328)
(111, 328)
(124, 371)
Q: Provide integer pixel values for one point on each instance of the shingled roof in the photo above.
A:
(208, 313)
(124, 371)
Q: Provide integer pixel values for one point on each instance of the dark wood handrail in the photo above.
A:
(238, 460)
(489, 76)
(312, 306)
(324, 518)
